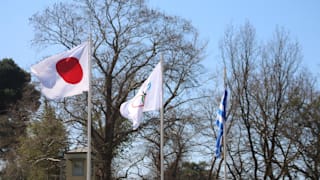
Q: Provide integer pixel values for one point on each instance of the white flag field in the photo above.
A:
(148, 98)
(65, 74)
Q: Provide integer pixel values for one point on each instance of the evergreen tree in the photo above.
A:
(18, 99)
(40, 151)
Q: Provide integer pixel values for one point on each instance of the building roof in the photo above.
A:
(78, 150)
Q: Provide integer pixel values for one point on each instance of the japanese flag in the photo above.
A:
(64, 74)
(148, 98)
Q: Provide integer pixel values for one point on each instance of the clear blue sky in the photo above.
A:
(210, 17)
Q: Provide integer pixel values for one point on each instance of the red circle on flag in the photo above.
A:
(70, 70)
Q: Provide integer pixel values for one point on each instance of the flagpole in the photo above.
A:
(224, 129)
(89, 97)
(161, 126)
(89, 115)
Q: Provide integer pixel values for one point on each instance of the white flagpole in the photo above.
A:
(224, 129)
(161, 126)
(89, 115)
(89, 99)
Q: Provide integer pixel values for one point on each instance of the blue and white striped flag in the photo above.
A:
(221, 118)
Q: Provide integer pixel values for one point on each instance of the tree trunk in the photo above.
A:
(109, 130)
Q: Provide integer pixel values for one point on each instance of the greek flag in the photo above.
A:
(221, 118)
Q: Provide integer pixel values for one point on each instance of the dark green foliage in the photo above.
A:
(12, 82)
(18, 99)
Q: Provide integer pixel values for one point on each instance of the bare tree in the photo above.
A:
(265, 83)
(127, 40)
(180, 141)
(239, 52)
(303, 129)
